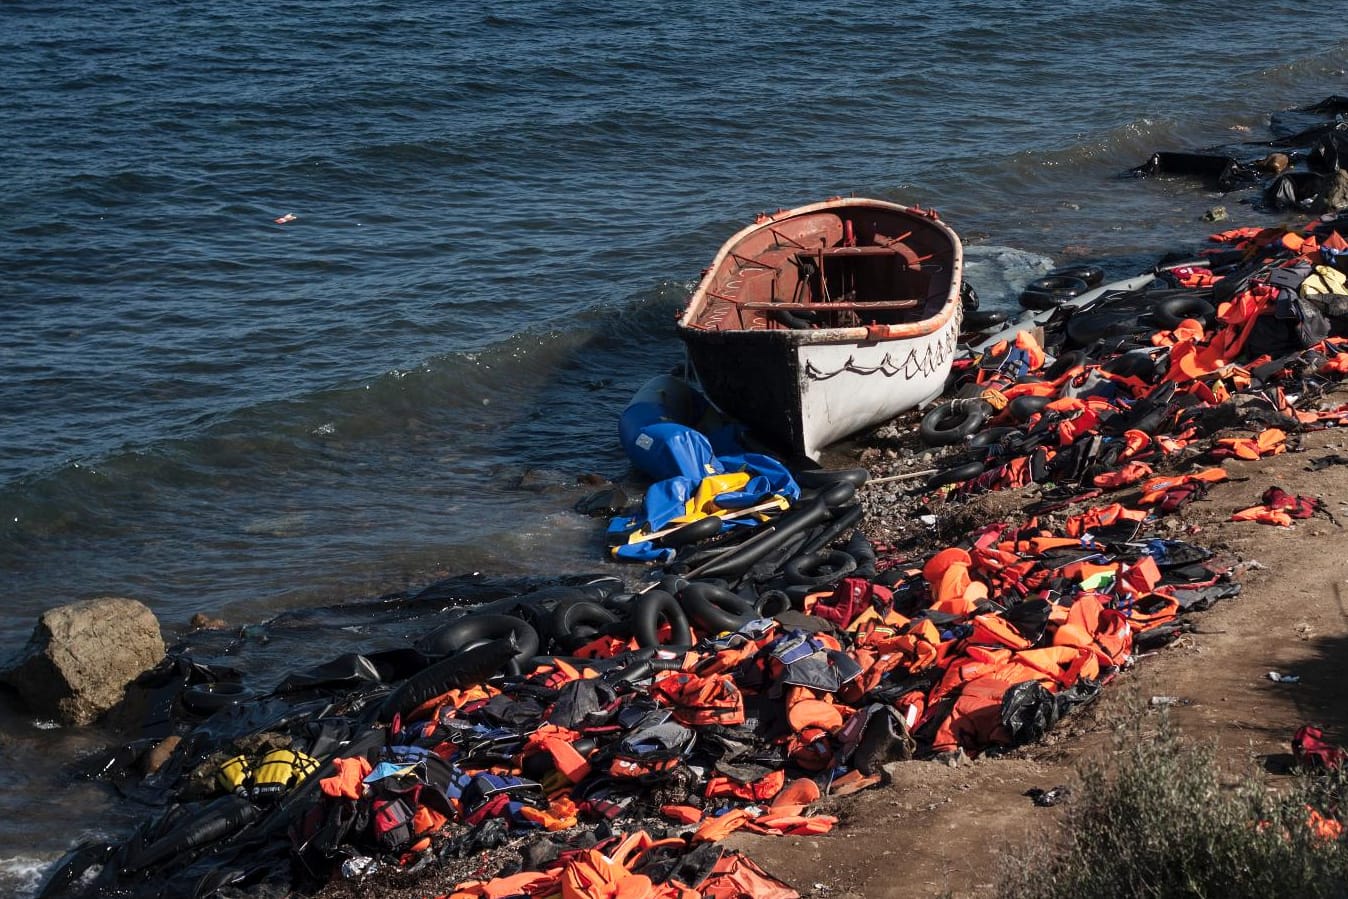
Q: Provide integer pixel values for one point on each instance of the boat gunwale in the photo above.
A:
(858, 334)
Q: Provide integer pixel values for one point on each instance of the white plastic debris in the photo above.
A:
(1284, 678)
(359, 866)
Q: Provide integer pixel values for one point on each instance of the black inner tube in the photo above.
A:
(472, 630)
(716, 609)
(1093, 275)
(848, 517)
(982, 321)
(989, 437)
(817, 569)
(952, 422)
(1051, 291)
(733, 563)
(653, 607)
(772, 603)
(1022, 407)
(1170, 312)
(692, 532)
(956, 475)
(576, 623)
(824, 478)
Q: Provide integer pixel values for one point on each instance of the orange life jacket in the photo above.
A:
(1269, 442)
(952, 589)
(1103, 631)
(1130, 473)
(761, 790)
(1148, 611)
(697, 700)
(1101, 516)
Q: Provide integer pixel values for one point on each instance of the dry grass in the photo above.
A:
(1157, 817)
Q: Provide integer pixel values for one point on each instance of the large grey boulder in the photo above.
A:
(81, 656)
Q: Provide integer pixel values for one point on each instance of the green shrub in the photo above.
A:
(1154, 818)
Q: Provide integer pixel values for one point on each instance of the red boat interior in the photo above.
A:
(838, 268)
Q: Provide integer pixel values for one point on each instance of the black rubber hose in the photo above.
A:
(653, 607)
(733, 563)
(823, 478)
(463, 669)
(714, 608)
(643, 668)
(818, 569)
(843, 520)
(692, 532)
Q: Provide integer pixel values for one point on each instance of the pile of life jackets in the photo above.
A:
(609, 760)
(619, 767)
(978, 646)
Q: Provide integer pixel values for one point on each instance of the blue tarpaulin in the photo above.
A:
(656, 431)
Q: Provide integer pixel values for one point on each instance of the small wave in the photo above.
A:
(23, 875)
(423, 152)
(999, 273)
(507, 22)
(124, 188)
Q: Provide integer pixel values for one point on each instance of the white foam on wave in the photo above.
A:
(21, 875)
(1000, 273)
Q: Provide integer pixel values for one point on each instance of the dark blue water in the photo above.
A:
(498, 211)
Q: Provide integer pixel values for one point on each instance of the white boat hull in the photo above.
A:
(802, 392)
(851, 387)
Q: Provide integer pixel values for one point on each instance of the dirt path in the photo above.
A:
(941, 830)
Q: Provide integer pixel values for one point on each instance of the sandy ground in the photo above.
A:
(939, 830)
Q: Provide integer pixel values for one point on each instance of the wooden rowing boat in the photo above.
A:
(815, 323)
